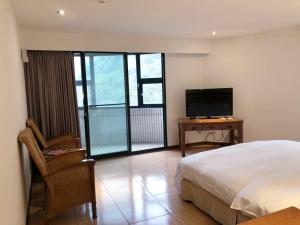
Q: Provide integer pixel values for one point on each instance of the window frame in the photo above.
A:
(141, 81)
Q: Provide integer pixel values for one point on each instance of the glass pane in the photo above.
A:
(87, 68)
(79, 92)
(107, 117)
(77, 67)
(151, 66)
(132, 78)
(80, 95)
(109, 79)
(152, 93)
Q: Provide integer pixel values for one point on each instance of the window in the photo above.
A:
(145, 77)
(145, 74)
(108, 72)
(152, 94)
(100, 74)
(151, 66)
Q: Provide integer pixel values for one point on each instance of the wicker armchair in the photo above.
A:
(69, 180)
(63, 141)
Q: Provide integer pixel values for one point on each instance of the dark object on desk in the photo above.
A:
(209, 102)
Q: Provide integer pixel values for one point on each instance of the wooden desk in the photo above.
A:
(289, 216)
(232, 124)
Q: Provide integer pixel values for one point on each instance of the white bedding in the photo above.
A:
(244, 175)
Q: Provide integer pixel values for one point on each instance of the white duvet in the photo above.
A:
(257, 178)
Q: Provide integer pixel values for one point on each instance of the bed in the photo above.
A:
(240, 182)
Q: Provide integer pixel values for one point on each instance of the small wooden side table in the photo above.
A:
(231, 124)
(288, 216)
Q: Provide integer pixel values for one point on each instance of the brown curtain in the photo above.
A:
(51, 92)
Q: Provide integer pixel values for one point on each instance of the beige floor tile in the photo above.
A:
(173, 202)
(128, 193)
(163, 220)
(161, 186)
(150, 177)
(193, 216)
(103, 199)
(106, 216)
(119, 181)
(67, 218)
(141, 210)
(113, 169)
(136, 189)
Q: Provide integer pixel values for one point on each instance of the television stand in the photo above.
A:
(234, 125)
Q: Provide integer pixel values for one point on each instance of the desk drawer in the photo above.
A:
(210, 127)
(193, 127)
(202, 127)
(228, 126)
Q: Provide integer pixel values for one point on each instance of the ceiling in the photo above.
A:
(159, 18)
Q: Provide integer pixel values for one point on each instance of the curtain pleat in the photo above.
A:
(51, 92)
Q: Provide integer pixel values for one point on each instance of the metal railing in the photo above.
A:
(108, 125)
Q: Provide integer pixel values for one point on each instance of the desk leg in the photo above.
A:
(182, 141)
(179, 135)
(240, 134)
(231, 136)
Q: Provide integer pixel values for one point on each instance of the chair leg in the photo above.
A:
(94, 209)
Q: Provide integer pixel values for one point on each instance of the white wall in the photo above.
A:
(184, 61)
(183, 71)
(46, 40)
(264, 70)
(14, 165)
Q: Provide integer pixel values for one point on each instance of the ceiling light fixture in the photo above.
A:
(61, 12)
(214, 33)
(101, 1)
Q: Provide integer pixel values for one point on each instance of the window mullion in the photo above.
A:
(139, 81)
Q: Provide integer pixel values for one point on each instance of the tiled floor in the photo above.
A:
(131, 190)
(105, 149)
(145, 146)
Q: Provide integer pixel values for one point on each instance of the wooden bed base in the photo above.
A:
(211, 205)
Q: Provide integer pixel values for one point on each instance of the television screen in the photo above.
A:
(209, 102)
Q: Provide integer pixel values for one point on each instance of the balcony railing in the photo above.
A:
(108, 126)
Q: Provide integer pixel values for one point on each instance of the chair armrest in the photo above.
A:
(66, 159)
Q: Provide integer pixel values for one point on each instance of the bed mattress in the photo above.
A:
(243, 175)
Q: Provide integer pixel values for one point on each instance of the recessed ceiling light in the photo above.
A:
(101, 1)
(214, 33)
(61, 12)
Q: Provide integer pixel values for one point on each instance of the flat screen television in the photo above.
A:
(209, 102)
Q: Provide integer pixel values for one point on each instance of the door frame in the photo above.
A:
(127, 103)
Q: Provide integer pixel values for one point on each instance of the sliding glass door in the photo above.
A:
(105, 84)
(105, 108)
